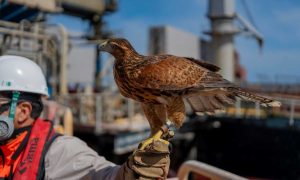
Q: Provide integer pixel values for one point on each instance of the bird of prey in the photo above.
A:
(161, 82)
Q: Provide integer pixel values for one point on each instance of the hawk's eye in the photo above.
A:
(115, 46)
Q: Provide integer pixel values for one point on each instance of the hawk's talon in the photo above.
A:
(156, 137)
(149, 141)
(170, 135)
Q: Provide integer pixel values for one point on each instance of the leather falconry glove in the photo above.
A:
(150, 163)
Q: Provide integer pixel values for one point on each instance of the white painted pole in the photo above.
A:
(221, 14)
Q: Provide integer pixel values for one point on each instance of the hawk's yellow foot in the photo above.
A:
(160, 135)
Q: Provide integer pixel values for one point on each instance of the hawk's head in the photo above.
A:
(116, 47)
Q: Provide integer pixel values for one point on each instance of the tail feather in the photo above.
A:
(212, 102)
(226, 98)
(196, 104)
(246, 95)
(215, 102)
(205, 104)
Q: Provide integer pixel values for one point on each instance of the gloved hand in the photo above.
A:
(150, 163)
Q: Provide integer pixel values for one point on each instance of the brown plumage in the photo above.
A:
(160, 83)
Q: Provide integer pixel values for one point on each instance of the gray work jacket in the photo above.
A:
(69, 158)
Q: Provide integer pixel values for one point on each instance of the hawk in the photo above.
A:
(161, 82)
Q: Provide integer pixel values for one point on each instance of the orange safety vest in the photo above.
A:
(23, 157)
(11, 154)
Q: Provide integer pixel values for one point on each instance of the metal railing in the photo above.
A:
(289, 109)
(205, 170)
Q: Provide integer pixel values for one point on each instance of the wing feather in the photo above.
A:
(204, 64)
(173, 73)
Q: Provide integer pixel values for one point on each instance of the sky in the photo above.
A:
(277, 21)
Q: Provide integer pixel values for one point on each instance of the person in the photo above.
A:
(31, 149)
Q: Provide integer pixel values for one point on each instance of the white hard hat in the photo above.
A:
(21, 74)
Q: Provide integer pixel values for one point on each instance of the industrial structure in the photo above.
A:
(168, 40)
(222, 16)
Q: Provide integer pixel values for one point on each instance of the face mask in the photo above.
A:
(7, 122)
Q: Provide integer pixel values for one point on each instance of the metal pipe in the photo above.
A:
(221, 14)
(63, 88)
(99, 113)
(97, 25)
(9, 24)
(68, 122)
(82, 120)
(24, 34)
(257, 110)
(206, 171)
(238, 112)
(223, 48)
(63, 61)
(292, 113)
(52, 55)
(53, 79)
(251, 29)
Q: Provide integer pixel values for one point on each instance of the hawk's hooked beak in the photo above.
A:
(104, 46)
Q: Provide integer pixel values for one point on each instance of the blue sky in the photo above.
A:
(277, 21)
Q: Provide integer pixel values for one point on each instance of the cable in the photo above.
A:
(248, 12)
